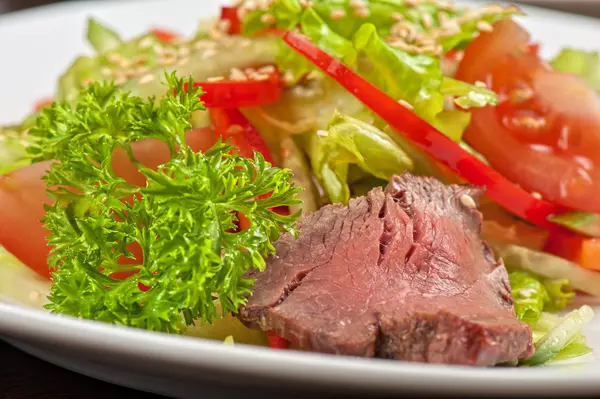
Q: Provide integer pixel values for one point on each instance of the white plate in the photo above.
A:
(36, 46)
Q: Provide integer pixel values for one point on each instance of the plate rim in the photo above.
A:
(327, 370)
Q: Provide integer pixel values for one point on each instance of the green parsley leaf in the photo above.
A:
(182, 219)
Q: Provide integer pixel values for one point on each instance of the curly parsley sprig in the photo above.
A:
(182, 219)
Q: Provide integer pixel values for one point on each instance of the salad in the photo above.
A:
(167, 170)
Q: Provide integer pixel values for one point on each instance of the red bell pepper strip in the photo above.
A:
(232, 124)
(230, 14)
(426, 137)
(243, 93)
(164, 35)
(276, 342)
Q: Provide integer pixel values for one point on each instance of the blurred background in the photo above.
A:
(585, 7)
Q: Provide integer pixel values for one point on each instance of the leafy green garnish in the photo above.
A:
(529, 295)
(101, 37)
(349, 141)
(182, 219)
(583, 63)
(13, 149)
(563, 339)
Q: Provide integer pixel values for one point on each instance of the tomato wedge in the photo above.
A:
(426, 137)
(23, 196)
(545, 133)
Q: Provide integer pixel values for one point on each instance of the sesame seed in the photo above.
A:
(207, 54)
(479, 83)
(259, 76)
(427, 21)
(396, 16)
(517, 96)
(146, 79)
(468, 201)
(249, 71)
(120, 79)
(114, 58)
(322, 133)
(336, 15)
(268, 19)
(223, 25)
(141, 70)
(87, 82)
(237, 74)
(34, 295)
(288, 77)
(204, 45)
(306, 3)
(536, 195)
(484, 26)
(215, 79)
(267, 69)
(234, 129)
(405, 104)
(358, 4)
(140, 59)
(245, 42)
(184, 51)
(362, 12)
(443, 17)
(264, 5)
(106, 71)
(411, 3)
(146, 42)
(158, 49)
(285, 152)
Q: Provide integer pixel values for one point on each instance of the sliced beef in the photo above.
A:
(399, 274)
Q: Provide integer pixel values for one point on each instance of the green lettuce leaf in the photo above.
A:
(13, 149)
(101, 37)
(425, 17)
(349, 141)
(529, 295)
(579, 62)
(562, 339)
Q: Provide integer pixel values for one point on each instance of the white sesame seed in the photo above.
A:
(396, 16)
(114, 58)
(268, 19)
(167, 60)
(411, 3)
(264, 5)
(468, 201)
(146, 79)
(443, 17)
(427, 21)
(141, 70)
(358, 4)
(207, 54)
(237, 74)
(204, 45)
(336, 15)
(215, 79)
(479, 83)
(146, 42)
(288, 77)
(34, 295)
(405, 104)
(322, 133)
(267, 69)
(259, 76)
(306, 3)
(184, 51)
(245, 42)
(536, 195)
(484, 26)
(362, 12)
(158, 49)
(106, 71)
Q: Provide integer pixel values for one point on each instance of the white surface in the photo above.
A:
(35, 47)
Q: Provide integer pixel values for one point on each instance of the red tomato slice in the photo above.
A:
(230, 14)
(23, 195)
(153, 152)
(545, 133)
